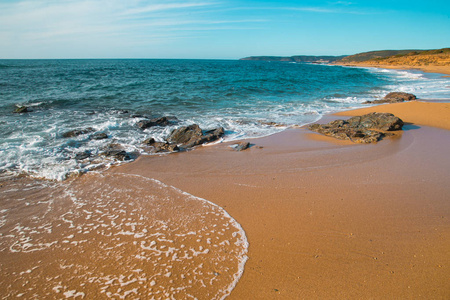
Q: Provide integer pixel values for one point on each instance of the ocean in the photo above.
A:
(249, 99)
(113, 235)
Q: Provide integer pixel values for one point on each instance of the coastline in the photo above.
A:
(427, 69)
(330, 220)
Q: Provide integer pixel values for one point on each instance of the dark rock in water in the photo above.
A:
(99, 136)
(192, 135)
(82, 155)
(144, 124)
(77, 132)
(360, 129)
(117, 154)
(394, 97)
(22, 110)
(241, 146)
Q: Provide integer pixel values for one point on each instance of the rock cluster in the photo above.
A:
(184, 138)
(394, 97)
(368, 128)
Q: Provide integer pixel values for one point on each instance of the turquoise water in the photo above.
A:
(111, 96)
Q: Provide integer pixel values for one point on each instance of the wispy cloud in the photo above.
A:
(93, 22)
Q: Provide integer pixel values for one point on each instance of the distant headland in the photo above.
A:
(437, 60)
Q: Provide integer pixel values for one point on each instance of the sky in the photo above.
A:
(215, 29)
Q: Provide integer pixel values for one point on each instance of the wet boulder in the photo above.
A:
(368, 128)
(144, 124)
(158, 147)
(394, 97)
(77, 132)
(193, 135)
(98, 136)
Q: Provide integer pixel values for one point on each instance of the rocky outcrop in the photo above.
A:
(192, 135)
(158, 147)
(368, 128)
(77, 132)
(184, 138)
(394, 97)
(163, 121)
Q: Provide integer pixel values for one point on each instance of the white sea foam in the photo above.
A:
(121, 236)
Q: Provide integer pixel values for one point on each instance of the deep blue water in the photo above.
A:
(241, 96)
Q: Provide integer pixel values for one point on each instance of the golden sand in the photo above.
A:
(330, 220)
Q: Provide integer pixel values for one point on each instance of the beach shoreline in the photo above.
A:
(445, 70)
(330, 220)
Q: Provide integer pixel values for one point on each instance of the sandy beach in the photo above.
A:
(424, 68)
(328, 220)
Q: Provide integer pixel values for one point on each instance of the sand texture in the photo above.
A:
(330, 220)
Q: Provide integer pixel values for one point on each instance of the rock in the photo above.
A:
(241, 146)
(144, 124)
(400, 96)
(192, 135)
(77, 132)
(185, 135)
(117, 154)
(22, 110)
(161, 146)
(394, 97)
(82, 155)
(99, 136)
(361, 129)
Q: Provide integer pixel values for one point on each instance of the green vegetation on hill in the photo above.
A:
(386, 55)
(375, 55)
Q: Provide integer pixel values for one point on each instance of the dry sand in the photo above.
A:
(331, 220)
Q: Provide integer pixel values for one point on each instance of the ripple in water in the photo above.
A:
(115, 236)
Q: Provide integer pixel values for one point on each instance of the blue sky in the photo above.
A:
(217, 29)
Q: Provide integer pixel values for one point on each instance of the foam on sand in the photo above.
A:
(116, 236)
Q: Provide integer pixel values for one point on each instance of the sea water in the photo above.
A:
(249, 99)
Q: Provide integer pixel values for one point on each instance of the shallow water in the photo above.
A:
(249, 99)
(114, 237)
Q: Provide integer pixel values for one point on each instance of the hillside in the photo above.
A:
(296, 58)
(428, 60)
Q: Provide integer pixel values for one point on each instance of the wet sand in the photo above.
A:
(330, 220)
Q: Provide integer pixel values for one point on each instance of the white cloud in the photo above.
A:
(46, 25)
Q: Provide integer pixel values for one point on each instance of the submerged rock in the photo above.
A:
(394, 97)
(144, 124)
(98, 136)
(22, 110)
(82, 155)
(361, 129)
(77, 132)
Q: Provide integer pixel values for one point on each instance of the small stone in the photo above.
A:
(241, 146)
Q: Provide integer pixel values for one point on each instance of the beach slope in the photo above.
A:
(331, 220)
